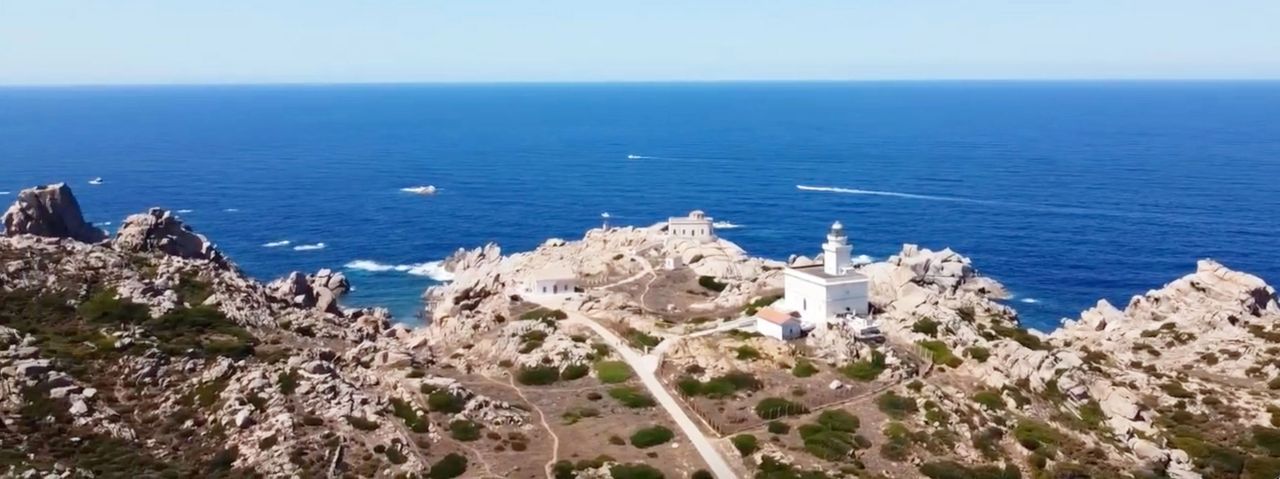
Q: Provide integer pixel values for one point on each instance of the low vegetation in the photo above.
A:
(632, 398)
(613, 372)
(711, 283)
(941, 353)
(718, 387)
(895, 406)
(776, 407)
(746, 444)
(651, 436)
(867, 369)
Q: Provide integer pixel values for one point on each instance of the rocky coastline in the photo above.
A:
(148, 352)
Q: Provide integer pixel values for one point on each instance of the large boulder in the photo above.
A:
(50, 211)
(159, 230)
(319, 291)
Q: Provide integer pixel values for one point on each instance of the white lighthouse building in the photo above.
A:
(820, 292)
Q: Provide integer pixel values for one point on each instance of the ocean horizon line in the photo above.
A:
(481, 83)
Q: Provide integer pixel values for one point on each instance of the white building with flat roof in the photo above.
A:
(552, 279)
(696, 226)
(820, 292)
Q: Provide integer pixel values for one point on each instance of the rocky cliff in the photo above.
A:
(151, 355)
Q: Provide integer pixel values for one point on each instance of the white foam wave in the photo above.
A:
(105, 223)
(862, 259)
(420, 190)
(1029, 300)
(309, 247)
(725, 225)
(895, 194)
(4, 192)
(276, 244)
(431, 269)
(185, 211)
(232, 210)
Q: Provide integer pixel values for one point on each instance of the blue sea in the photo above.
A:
(1067, 192)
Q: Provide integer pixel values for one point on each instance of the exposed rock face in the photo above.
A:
(50, 211)
(159, 230)
(320, 291)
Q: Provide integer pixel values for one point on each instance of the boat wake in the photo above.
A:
(854, 191)
(420, 190)
(183, 211)
(725, 225)
(309, 247)
(432, 269)
(1030, 300)
(276, 244)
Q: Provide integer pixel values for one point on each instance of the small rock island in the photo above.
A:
(633, 352)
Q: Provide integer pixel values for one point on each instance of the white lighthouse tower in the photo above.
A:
(819, 293)
(835, 252)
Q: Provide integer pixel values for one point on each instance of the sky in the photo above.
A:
(60, 42)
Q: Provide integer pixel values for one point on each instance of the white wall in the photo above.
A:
(777, 331)
(817, 303)
(550, 286)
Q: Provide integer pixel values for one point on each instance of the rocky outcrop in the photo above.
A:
(50, 211)
(320, 291)
(160, 231)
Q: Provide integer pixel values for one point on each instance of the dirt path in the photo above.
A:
(542, 417)
(645, 368)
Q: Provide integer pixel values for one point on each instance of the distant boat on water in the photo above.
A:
(96, 181)
(634, 157)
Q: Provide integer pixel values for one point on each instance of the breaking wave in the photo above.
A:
(431, 269)
(725, 225)
(4, 192)
(309, 247)
(862, 259)
(276, 244)
(855, 191)
(232, 210)
(184, 211)
(1029, 300)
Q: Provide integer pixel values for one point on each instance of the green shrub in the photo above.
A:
(991, 400)
(409, 415)
(464, 430)
(394, 456)
(1176, 390)
(746, 444)
(287, 381)
(895, 406)
(443, 401)
(978, 353)
(839, 420)
(448, 467)
(711, 283)
(747, 353)
(631, 398)
(867, 369)
(1267, 438)
(776, 407)
(574, 371)
(753, 307)
(803, 368)
(778, 427)
(926, 326)
(651, 436)
(544, 313)
(634, 471)
(1022, 336)
(701, 474)
(640, 339)
(105, 308)
(537, 375)
(941, 353)
(202, 331)
(613, 372)
(954, 470)
(1037, 436)
(720, 386)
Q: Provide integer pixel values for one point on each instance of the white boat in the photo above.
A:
(634, 157)
(96, 181)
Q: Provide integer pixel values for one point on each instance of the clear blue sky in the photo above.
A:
(236, 41)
